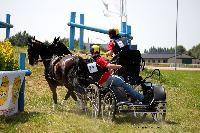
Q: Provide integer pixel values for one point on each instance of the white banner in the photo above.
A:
(114, 8)
(10, 84)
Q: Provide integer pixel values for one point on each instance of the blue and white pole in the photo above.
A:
(123, 24)
(129, 34)
(72, 31)
(92, 28)
(81, 46)
(22, 59)
(83, 27)
(8, 27)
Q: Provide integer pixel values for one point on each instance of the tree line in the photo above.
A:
(194, 51)
(159, 50)
(21, 39)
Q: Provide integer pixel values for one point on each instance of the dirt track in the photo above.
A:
(172, 68)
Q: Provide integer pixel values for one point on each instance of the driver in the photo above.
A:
(116, 42)
(102, 74)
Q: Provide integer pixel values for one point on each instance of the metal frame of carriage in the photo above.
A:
(108, 102)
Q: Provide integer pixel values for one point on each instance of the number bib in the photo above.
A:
(92, 67)
(120, 43)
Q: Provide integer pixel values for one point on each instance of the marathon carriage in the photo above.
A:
(111, 101)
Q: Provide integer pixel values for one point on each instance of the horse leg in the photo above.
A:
(79, 101)
(73, 95)
(79, 93)
(54, 94)
(69, 93)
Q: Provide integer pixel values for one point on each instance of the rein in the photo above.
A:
(40, 60)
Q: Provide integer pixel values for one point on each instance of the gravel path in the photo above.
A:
(172, 68)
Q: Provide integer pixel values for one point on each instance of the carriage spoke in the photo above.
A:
(93, 101)
(108, 107)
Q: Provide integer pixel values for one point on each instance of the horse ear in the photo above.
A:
(54, 40)
(33, 37)
(58, 38)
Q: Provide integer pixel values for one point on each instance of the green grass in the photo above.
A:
(183, 109)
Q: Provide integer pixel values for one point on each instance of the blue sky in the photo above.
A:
(152, 21)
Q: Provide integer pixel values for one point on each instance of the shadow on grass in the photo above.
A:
(124, 118)
(120, 119)
(21, 117)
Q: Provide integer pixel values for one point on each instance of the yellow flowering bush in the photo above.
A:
(7, 61)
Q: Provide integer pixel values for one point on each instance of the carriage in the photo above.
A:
(112, 101)
(99, 101)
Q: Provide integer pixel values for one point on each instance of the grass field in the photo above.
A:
(183, 109)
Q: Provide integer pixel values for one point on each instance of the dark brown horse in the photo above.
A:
(61, 67)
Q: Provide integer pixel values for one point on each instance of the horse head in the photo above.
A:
(58, 47)
(34, 50)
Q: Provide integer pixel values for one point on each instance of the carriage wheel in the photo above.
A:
(96, 102)
(160, 115)
(108, 107)
(93, 101)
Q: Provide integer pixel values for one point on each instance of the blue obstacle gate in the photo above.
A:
(125, 30)
(22, 61)
(6, 25)
(12, 86)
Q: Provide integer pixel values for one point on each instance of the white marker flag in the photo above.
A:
(114, 8)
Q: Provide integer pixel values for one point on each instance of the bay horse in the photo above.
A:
(62, 68)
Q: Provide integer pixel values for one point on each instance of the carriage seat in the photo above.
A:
(131, 61)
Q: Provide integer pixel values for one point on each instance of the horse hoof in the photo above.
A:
(64, 105)
(55, 106)
(64, 102)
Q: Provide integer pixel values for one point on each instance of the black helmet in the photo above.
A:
(113, 31)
